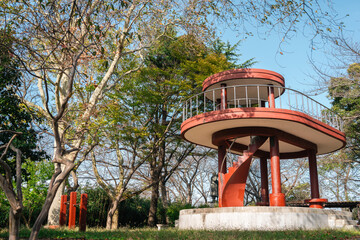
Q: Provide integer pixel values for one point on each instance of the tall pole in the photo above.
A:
(222, 159)
(223, 96)
(264, 182)
(277, 198)
(271, 97)
(72, 210)
(314, 183)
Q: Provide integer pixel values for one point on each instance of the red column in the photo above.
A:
(271, 97)
(223, 97)
(83, 210)
(315, 201)
(313, 174)
(264, 182)
(276, 198)
(72, 210)
(222, 159)
(63, 208)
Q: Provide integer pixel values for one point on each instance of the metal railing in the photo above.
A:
(244, 96)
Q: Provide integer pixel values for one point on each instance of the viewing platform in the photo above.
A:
(250, 112)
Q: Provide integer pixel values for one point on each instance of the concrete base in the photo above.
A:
(260, 218)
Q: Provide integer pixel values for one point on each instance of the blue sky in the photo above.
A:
(294, 63)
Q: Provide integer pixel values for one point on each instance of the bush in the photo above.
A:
(134, 212)
(173, 211)
(97, 208)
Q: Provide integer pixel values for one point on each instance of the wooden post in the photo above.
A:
(72, 210)
(63, 209)
(83, 211)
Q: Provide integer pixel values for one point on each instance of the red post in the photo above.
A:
(313, 174)
(315, 201)
(63, 208)
(83, 211)
(271, 97)
(72, 210)
(264, 182)
(223, 97)
(277, 198)
(222, 159)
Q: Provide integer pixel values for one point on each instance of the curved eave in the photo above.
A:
(244, 76)
(200, 128)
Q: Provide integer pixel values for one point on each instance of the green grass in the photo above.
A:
(171, 233)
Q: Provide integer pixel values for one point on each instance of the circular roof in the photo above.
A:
(243, 76)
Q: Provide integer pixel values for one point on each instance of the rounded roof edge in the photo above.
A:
(244, 73)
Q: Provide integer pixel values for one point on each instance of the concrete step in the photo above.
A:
(334, 217)
(339, 214)
(344, 222)
(352, 227)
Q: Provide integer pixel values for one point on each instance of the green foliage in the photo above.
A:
(35, 189)
(299, 192)
(133, 212)
(4, 210)
(345, 95)
(173, 211)
(34, 192)
(98, 204)
(14, 115)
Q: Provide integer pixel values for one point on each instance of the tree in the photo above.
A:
(60, 42)
(17, 138)
(341, 170)
(345, 95)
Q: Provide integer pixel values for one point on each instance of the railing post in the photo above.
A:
(72, 210)
(63, 209)
(83, 211)
(271, 97)
(223, 105)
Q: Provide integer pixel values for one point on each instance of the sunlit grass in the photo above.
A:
(172, 233)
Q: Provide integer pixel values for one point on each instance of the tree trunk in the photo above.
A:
(164, 200)
(54, 211)
(14, 225)
(57, 179)
(188, 193)
(153, 205)
(112, 218)
(115, 220)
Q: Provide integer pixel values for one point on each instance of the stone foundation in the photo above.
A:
(261, 218)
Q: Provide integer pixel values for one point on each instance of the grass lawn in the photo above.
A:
(171, 233)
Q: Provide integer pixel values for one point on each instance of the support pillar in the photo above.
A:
(222, 159)
(264, 182)
(271, 97)
(277, 198)
(315, 201)
(72, 210)
(63, 208)
(83, 211)
(223, 105)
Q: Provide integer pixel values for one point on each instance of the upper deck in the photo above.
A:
(239, 103)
